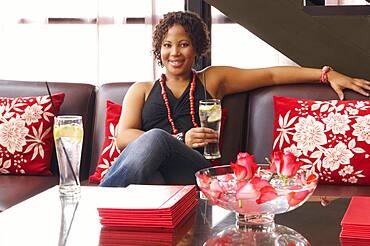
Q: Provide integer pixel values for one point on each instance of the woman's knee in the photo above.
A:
(156, 134)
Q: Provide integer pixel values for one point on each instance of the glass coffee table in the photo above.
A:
(41, 220)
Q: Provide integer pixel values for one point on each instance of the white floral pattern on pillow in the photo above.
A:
(109, 151)
(112, 149)
(330, 137)
(26, 134)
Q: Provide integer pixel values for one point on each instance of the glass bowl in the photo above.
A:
(255, 201)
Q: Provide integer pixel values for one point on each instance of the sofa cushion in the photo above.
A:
(109, 151)
(114, 92)
(26, 134)
(331, 137)
(259, 122)
(79, 100)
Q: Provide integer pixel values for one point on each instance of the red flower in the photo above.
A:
(304, 180)
(258, 189)
(284, 164)
(311, 178)
(211, 188)
(294, 198)
(244, 167)
(268, 193)
(215, 188)
(204, 180)
(247, 191)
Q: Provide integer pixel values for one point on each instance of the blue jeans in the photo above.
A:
(156, 157)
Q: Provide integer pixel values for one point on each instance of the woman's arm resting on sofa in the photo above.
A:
(224, 80)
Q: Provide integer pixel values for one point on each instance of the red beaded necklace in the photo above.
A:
(191, 102)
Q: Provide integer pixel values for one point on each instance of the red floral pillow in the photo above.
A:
(331, 137)
(109, 151)
(26, 134)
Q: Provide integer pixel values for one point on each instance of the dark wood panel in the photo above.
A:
(337, 10)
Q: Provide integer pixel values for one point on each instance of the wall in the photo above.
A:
(340, 41)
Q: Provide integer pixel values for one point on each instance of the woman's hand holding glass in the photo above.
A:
(200, 136)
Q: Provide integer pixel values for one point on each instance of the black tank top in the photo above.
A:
(154, 114)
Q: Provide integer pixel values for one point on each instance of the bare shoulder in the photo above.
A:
(212, 78)
(216, 74)
(141, 88)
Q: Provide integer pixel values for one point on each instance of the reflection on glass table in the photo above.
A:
(38, 221)
(69, 207)
(309, 221)
(225, 231)
(147, 236)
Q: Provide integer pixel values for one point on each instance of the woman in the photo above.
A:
(159, 125)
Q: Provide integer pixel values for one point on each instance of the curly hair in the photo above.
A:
(193, 25)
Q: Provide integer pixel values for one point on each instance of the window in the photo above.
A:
(101, 41)
(234, 45)
(346, 2)
(82, 41)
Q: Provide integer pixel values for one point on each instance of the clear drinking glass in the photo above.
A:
(68, 137)
(210, 117)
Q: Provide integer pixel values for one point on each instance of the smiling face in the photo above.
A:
(177, 52)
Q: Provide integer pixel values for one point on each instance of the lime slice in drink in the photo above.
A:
(69, 131)
(214, 116)
(206, 108)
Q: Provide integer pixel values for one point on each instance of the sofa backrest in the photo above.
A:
(234, 130)
(260, 115)
(250, 121)
(114, 92)
(79, 100)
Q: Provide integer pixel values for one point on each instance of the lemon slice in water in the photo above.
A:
(74, 132)
(206, 108)
(214, 116)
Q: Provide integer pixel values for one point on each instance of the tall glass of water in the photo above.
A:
(68, 137)
(210, 117)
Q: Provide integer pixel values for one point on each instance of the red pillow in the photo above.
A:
(331, 137)
(109, 151)
(26, 134)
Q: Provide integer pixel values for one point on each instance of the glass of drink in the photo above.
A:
(68, 136)
(210, 117)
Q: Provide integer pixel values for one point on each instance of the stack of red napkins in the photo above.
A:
(146, 206)
(356, 222)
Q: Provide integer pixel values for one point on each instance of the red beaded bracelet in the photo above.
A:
(324, 74)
